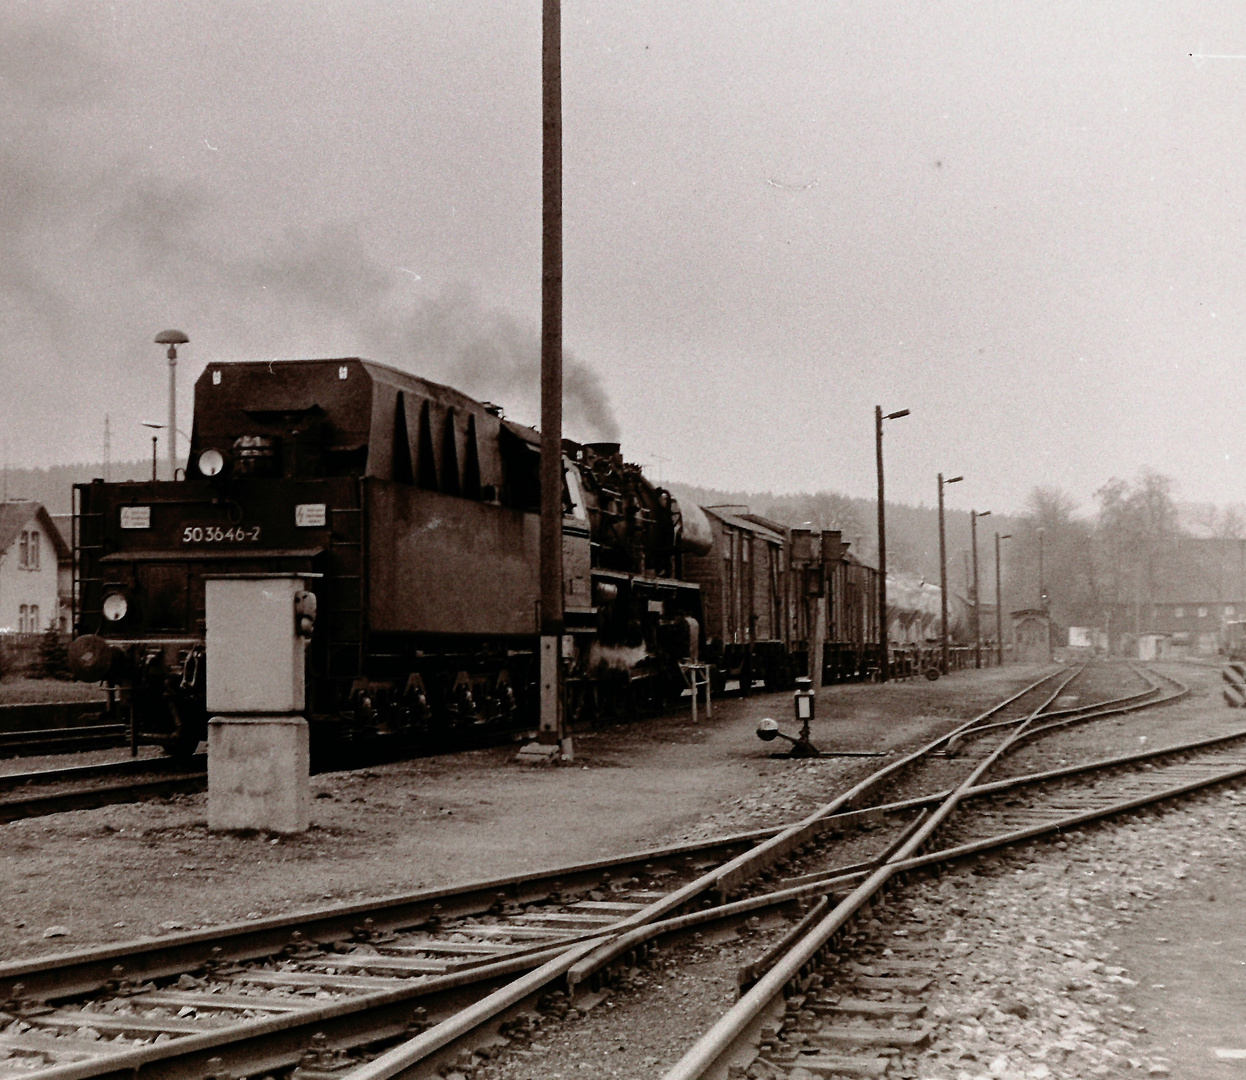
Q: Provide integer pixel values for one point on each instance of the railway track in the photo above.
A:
(230, 1001)
(450, 973)
(84, 787)
(57, 727)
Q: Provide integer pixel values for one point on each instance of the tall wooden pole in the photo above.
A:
(884, 660)
(943, 572)
(1042, 590)
(999, 611)
(977, 609)
(551, 628)
(884, 657)
(942, 583)
(977, 622)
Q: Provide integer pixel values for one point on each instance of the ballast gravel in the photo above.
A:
(1029, 952)
(1050, 962)
(1105, 954)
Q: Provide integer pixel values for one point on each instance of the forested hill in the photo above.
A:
(1136, 546)
(53, 486)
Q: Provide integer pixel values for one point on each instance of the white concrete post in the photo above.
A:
(258, 754)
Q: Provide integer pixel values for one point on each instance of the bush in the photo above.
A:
(53, 660)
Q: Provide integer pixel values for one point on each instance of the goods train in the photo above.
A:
(414, 511)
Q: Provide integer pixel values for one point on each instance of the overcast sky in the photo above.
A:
(1024, 222)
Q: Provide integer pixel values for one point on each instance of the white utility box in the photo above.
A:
(258, 753)
(255, 658)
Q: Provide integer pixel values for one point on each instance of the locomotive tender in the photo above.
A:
(414, 511)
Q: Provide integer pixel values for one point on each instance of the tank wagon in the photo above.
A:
(417, 510)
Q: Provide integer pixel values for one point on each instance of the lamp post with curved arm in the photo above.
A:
(999, 603)
(884, 659)
(977, 619)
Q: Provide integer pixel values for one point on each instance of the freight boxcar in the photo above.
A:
(744, 592)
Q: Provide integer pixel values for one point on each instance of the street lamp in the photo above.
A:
(159, 427)
(884, 660)
(943, 571)
(977, 620)
(999, 603)
(172, 338)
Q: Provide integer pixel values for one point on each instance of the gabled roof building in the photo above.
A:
(32, 552)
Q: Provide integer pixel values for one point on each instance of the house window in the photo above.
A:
(1229, 609)
(34, 618)
(1178, 613)
(28, 550)
(1202, 613)
(21, 619)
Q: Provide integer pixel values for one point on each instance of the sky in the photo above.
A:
(1022, 222)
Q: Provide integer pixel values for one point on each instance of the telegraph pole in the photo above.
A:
(977, 618)
(999, 603)
(551, 619)
(1042, 590)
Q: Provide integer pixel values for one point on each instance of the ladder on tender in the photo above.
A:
(347, 593)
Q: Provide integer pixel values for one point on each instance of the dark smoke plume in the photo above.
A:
(451, 336)
(101, 251)
(490, 353)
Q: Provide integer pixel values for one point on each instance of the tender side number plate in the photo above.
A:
(220, 534)
(311, 515)
(136, 517)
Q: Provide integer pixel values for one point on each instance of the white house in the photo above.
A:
(31, 553)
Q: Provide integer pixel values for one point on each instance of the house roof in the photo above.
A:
(17, 515)
(65, 526)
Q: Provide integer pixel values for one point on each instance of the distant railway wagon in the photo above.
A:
(773, 595)
(835, 602)
(744, 597)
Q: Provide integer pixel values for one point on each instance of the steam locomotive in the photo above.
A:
(414, 511)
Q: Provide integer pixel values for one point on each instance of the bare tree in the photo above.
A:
(1138, 532)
